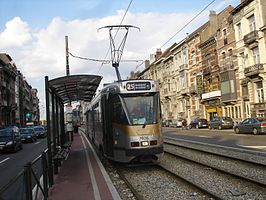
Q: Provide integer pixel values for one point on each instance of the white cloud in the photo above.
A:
(42, 52)
(16, 34)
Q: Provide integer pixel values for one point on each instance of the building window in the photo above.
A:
(225, 112)
(224, 59)
(193, 56)
(242, 58)
(231, 60)
(225, 37)
(252, 23)
(208, 60)
(184, 57)
(196, 103)
(256, 55)
(244, 90)
(260, 95)
(239, 31)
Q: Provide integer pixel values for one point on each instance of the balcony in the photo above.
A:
(258, 105)
(192, 89)
(253, 70)
(206, 71)
(251, 37)
(185, 91)
(183, 67)
(210, 95)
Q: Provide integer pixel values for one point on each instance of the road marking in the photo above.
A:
(4, 160)
(36, 142)
(254, 147)
(205, 136)
(91, 172)
(104, 173)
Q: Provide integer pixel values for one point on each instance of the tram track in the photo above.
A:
(156, 182)
(235, 179)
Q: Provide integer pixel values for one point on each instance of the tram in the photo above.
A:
(124, 121)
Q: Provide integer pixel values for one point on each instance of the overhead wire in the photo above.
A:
(105, 61)
(182, 28)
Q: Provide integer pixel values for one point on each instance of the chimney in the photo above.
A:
(147, 64)
(213, 21)
(158, 53)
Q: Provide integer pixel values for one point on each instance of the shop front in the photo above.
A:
(212, 104)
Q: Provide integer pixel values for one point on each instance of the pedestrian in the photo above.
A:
(184, 124)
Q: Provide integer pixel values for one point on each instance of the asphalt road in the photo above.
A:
(220, 137)
(12, 163)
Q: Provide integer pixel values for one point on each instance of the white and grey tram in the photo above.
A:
(124, 121)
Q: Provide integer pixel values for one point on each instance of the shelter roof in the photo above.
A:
(75, 87)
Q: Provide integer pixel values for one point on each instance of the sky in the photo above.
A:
(33, 33)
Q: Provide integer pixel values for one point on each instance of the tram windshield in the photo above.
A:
(142, 108)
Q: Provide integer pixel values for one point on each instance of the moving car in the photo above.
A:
(40, 131)
(28, 135)
(253, 125)
(198, 123)
(221, 123)
(10, 139)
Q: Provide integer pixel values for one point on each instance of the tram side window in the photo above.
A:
(118, 114)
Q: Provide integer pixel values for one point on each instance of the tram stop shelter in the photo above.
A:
(59, 92)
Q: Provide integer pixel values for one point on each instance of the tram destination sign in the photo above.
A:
(134, 86)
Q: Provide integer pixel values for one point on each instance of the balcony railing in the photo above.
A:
(183, 67)
(254, 69)
(251, 37)
(258, 105)
(185, 91)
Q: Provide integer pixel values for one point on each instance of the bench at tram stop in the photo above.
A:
(62, 152)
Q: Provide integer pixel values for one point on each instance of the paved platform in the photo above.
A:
(82, 175)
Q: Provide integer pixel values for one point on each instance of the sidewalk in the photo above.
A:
(82, 175)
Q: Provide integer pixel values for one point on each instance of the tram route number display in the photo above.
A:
(133, 86)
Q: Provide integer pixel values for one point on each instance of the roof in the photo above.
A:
(240, 6)
(75, 87)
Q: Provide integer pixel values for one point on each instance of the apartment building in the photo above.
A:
(249, 21)
(231, 100)
(8, 105)
(179, 82)
(17, 98)
(217, 70)
(195, 76)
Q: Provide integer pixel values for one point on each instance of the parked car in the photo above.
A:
(164, 123)
(177, 122)
(10, 139)
(198, 123)
(28, 135)
(253, 125)
(40, 131)
(221, 123)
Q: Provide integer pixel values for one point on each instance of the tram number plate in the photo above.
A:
(144, 138)
(144, 143)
